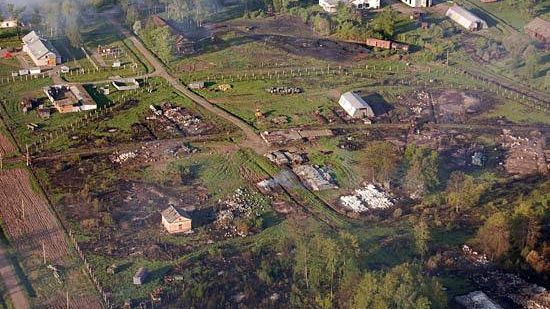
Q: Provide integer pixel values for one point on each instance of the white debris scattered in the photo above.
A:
(367, 198)
(122, 157)
(316, 178)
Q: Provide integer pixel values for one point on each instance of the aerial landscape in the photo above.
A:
(275, 154)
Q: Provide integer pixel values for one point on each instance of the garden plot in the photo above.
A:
(367, 198)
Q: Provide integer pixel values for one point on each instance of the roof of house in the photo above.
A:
(540, 26)
(37, 46)
(158, 21)
(354, 100)
(171, 214)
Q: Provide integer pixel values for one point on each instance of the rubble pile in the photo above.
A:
(241, 205)
(512, 288)
(417, 102)
(315, 178)
(284, 90)
(284, 157)
(282, 137)
(474, 257)
(183, 119)
(477, 299)
(525, 155)
(367, 198)
(152, 152)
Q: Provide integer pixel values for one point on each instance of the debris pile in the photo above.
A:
(474, 256)
(367, 198)
(315, 178)
(284, 90)
(282, 137)
(152, 152)
(525, 155)
(477, 299)
(242, 205)
(283, 157)
(512, 288)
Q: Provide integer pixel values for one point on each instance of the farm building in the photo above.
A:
(40, 50)
(466, 18)
(539, 29)
(174, 221)
(126, 84)
(197, 85)
(331, 6)
(355, 106)
(12, 23)
(418, 3)
(70, 99)
(140, 276)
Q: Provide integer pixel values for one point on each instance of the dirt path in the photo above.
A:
(17, 294)
(252, 141)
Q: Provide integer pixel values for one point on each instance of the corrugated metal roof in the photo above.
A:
(37, 46)
(354, 100)
(171, 214)
(464, 17)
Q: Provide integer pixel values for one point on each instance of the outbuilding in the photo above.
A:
(65, 69)
(12, 23)
(197, 85)
(466, 18)
(141, 276)
(174, 221)
(355, 106)
(418, 3)
(35, 71)
(539, 29)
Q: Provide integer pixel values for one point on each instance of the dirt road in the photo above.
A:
(17, 294)
(253, 140)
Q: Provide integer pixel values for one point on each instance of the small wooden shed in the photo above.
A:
(141, 276)
(175, 221)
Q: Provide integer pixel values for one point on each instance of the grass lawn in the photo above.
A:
(520, 114)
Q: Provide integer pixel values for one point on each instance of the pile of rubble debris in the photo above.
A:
(418, 103)
(314, 177)
(176, 121)
(242, 204)
(511, 288)
(284, 90)
(283, 137)
(477, 299)
(285, 179)
(474, 257)
(152, 152)
(526, 155)
(367, 198)
(283, 157)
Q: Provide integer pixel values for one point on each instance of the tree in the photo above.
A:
(381, 159)
(494, 236)
(384, 23)
(463, 191)
(421, 234)
(422, 170)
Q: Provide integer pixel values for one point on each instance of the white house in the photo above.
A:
(40, 50)
(8, 24)
(418, 3)
(331, 6)
(466, 18)
(355, 106)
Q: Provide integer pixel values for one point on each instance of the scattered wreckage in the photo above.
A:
(284, 90)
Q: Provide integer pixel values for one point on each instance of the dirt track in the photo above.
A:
(11, 282)
(30, 225)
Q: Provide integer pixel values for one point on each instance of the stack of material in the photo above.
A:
(366, 199)
(315, 178)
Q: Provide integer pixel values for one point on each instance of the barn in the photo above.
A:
(174, 221)
(355, 106)
(466, 18)
(539, 29)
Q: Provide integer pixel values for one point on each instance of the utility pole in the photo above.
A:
(44, 253)
(68, 300)
(28, 155)
(22, 209)
(1, 159)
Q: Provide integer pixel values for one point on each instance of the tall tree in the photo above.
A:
(380, 159)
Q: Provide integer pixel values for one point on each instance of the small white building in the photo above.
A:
(12, 23)
(418, 3)
(35, 71)
(331, 6)
(40, 50)
(466, 18)
(355, 106)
